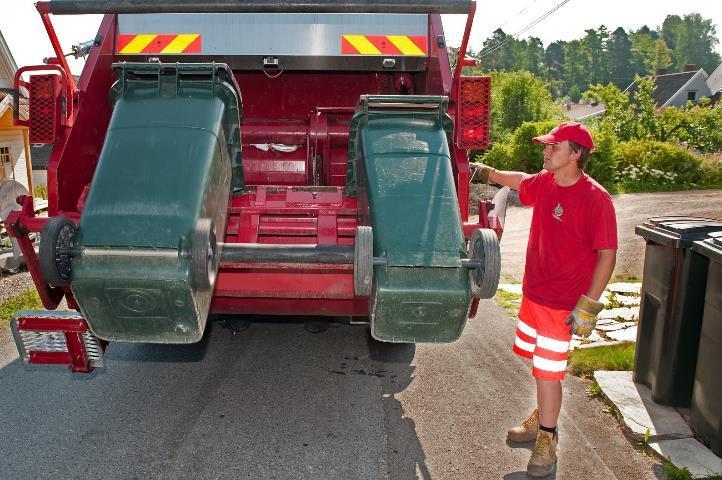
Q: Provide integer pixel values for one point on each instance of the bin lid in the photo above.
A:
(711, 247)
(678, 231)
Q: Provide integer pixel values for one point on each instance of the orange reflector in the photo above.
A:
(474, 117)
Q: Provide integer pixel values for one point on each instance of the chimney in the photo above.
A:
(691, 67)
(661, 71)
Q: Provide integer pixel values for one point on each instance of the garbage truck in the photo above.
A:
(254, 157)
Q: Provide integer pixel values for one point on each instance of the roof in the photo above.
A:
(40, 155)
(714, 81)
(24, 108)
(666, 86)
(579, 111)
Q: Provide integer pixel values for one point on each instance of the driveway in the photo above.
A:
(276, 402)
(632, 210)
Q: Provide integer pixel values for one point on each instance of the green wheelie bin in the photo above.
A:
(670, 313)
(157, 207)
(707, 393)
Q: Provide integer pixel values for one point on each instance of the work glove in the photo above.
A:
(483, 171)
(584, 316)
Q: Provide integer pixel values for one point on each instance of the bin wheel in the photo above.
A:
(484, 246)
(363, 261)
(204, 255)
(57, 247)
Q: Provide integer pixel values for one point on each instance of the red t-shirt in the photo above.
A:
(568, 226)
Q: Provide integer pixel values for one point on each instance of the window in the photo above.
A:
(6, 163)
(691, 96)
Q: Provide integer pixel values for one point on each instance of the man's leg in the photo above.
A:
(549, 401)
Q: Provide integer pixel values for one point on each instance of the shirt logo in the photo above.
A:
(558, 212)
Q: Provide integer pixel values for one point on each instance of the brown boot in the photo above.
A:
(544, 456)
(526, 432)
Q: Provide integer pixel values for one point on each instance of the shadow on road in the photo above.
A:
(270, 401)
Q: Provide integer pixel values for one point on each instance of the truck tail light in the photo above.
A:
(57, 338)
(473, 117)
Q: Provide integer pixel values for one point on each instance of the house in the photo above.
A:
(676, 89)
(14, 144)
(714, 82)
(582, 111)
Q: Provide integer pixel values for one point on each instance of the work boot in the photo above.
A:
(526, 432)
(544, 456)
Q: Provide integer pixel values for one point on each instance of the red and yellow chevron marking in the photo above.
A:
(406, 45)
(161, 44)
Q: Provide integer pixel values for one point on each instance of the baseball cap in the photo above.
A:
(572, 131)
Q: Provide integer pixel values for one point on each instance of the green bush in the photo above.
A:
(521, 154)
(712, 170)
(649, 165)
(40, 191)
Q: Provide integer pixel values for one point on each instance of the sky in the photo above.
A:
(24, 33)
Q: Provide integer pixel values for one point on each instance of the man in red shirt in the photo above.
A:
(570, 257)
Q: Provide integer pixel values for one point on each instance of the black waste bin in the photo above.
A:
(707, 393)
(670, 312)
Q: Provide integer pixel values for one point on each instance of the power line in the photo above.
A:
(517, 14)
(525, 29)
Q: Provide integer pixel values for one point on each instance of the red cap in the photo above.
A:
(572, 131)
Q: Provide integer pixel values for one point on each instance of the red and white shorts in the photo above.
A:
(543, 336)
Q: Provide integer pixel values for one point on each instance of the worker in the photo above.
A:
(570, 257)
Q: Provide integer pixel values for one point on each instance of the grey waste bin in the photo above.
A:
(670, 313)
(707, 392)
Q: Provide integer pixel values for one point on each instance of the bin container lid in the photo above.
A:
(711, 247)
(678, 231)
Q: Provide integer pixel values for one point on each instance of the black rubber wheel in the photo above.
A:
(363, 261)
(57, 246)
(484, 246)
(204, 255)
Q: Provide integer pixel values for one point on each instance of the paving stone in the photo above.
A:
(511, 287)
(639, 412)
(605, 343)
(627, 300)
(610, 326)
(625, 335)
(626, 313)
(689, 453)
(626, 287)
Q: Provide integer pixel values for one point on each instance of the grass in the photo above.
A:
(585, 361)
(28, 300)
(625, 277)
(508, 301)
(675, 473)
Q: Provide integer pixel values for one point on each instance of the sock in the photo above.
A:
(553, 430)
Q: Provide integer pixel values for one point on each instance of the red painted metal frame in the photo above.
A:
(76, 358)
(275, 111)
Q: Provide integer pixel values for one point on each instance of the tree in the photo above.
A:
(518, 97)
(662, 55)
(575, 65)
(496, 51)
(643, 54)
(554, 67)
(535, 56)
(670, 29)
(695, 42)
(596, 55)
(619, 49)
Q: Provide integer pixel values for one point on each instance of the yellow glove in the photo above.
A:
(483, 171)
(584, 316)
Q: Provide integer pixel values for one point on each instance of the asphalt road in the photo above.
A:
(277, 402)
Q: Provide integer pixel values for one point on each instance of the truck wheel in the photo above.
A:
(363, 261)
(204, 255)
(484, 246)
(57, 247)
